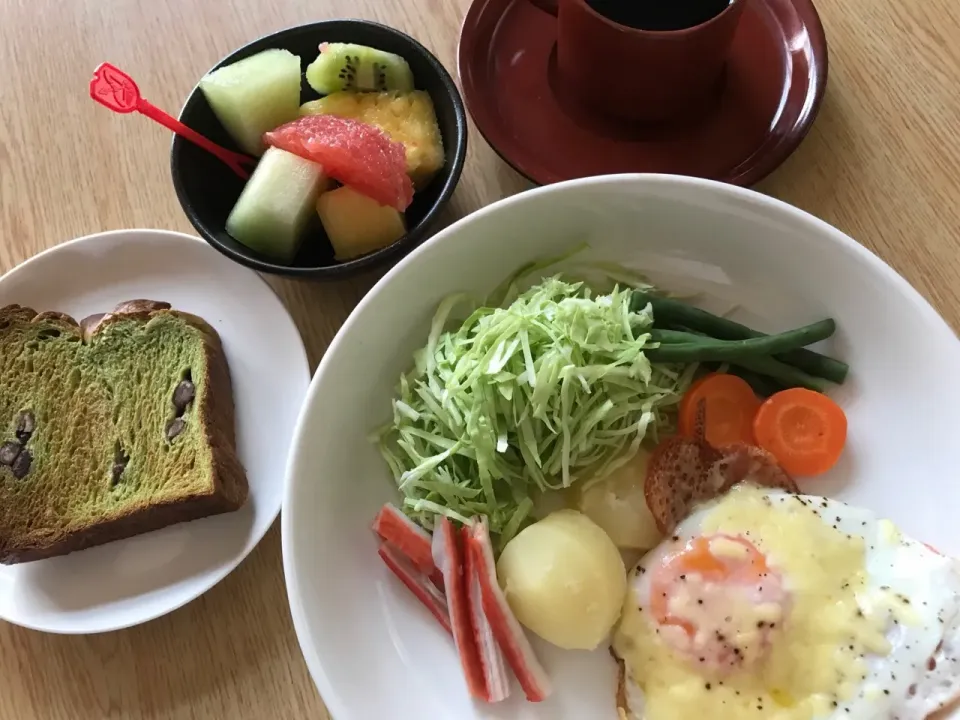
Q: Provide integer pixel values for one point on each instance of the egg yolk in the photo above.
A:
(717, 602)
(781, 632)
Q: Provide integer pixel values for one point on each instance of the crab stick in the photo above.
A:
(448, 557)
(407, 537)
(506, 628)
(491, 658)
(419, 584)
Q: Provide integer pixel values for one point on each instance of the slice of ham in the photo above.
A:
(407, 537)
(448, 557)
(686, 471)
(494, 672)
(417, 582)
(741, 462)
(507, 630)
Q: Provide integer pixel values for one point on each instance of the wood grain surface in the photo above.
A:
(881, 163)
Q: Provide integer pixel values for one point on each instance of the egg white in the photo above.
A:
(921, 672)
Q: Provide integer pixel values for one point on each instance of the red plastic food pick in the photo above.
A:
(114, 89)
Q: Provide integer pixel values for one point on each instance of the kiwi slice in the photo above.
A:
(343, 66)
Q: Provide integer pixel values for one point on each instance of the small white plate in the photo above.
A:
(131, 581)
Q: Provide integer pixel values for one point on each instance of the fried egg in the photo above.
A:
(767, 604)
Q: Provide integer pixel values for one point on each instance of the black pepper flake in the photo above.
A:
(886, 692)
(700, 602)
(642, 569)
(675, 538)
(707, 686)
(683, 577)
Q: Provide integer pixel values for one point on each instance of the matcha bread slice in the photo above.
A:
(111, 427)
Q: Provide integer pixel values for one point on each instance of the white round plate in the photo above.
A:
(372, 649)
(135, 580)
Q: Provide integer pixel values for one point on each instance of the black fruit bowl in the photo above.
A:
(207, 188)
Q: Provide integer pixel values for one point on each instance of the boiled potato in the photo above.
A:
(564, 580)
(617, 504)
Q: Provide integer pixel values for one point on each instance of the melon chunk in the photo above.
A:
(255, 95)
(277, 204)
(357, 224)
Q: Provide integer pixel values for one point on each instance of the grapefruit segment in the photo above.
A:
(354, 153)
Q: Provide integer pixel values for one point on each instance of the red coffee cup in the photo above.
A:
(639, 75)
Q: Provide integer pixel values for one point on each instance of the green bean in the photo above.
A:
(787, 375)
(767, 375)
(763, 385)
(680, 346)
(669, 312)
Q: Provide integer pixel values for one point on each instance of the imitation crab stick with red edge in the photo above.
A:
(448, 557)
(419, 584)
(507, 630)
(407, 537)
(494, 671)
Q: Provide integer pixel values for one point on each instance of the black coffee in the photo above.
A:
(659, 14)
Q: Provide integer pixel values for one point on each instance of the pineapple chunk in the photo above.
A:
(408, 118)
(357, 224)
(254, 95)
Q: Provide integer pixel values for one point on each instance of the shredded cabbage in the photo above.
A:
(533, 396)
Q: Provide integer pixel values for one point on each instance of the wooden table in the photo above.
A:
(882, 163)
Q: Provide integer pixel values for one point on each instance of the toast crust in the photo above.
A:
(228, 486)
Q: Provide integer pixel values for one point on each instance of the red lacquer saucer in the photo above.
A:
(773, 86)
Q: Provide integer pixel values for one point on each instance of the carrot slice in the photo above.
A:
(731, 407)
(804, 430)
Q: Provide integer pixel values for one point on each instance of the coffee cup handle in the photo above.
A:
(549, 6)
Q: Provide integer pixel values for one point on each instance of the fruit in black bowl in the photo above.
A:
(387, 105)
